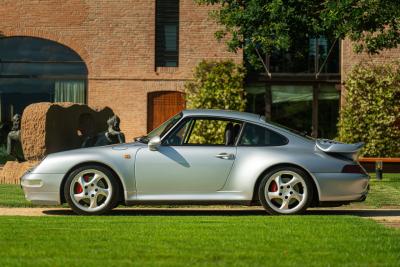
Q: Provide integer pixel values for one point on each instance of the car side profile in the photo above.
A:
(204, 157)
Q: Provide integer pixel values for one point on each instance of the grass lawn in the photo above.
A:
(204, 240)
(197, 241)
(12, 195)
(385, 193)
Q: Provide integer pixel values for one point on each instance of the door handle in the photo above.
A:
(225, 156)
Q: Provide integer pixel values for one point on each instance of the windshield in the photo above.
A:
(162, 129)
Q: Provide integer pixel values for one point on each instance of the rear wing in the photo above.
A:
(348, 150)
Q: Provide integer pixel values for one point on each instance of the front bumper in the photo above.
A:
(42, 189)
(342, 186)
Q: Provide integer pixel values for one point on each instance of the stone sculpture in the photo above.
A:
(14, 139)
(113, 135)
(53, 127)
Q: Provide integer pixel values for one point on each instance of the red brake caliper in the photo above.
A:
(86, 177)
(78, 188)
(273, 187)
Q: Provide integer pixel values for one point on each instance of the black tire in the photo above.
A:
(113, 201)
(304, 203)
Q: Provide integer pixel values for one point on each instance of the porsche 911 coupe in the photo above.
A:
(204, 157)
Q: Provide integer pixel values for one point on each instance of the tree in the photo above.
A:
(216, 85)
(372, 110)
(262, 26)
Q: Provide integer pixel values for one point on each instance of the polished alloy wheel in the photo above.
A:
(286, 192)
(91, 190)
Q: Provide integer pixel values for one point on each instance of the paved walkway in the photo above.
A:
(389, 217)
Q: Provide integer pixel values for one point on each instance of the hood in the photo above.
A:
(98, 149)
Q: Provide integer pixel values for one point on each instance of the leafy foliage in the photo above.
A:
(372, 110)
(373, 25)
(210, 132)
(276, 24)
(216, 85)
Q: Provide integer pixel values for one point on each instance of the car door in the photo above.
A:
(196, 158)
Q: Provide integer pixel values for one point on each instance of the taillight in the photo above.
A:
(353, 169)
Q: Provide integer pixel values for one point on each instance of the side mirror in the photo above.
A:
(154, 143)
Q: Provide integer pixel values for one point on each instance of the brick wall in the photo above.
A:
(116, 40)
(350, 58)
(128, 99)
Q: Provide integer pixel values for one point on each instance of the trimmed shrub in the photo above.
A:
(215, 85)
(372, 109)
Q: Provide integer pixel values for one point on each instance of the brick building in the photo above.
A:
(135, 56)
(306, 92)
(112, 47)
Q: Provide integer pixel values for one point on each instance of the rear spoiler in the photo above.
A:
(348, 150)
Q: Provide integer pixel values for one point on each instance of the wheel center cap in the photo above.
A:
(286, 191)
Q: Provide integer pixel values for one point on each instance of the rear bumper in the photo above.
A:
(42, 189)
(342, 186)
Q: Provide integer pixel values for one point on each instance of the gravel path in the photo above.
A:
(389, 217)
(389, 221)
(22, 211)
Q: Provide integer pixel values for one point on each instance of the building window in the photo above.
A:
(292, 106)
(167, 33)
(310, 109)
(299, 87)
(37, 70)
(328, 110)
(310, 56)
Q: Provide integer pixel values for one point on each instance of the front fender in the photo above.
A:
(121, 161)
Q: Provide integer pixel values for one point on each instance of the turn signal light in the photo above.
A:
(353, 169)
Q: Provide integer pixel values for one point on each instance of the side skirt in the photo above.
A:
(188, 202)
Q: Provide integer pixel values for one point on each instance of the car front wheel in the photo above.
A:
(286, 190)
(91, 190)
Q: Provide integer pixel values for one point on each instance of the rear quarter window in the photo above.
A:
(255, 135)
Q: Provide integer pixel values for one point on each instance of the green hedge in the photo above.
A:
(215, 85)
(372, 109)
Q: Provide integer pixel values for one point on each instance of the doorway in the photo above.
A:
(162, 105)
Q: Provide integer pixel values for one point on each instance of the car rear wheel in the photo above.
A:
(91, 190)
(286, 190)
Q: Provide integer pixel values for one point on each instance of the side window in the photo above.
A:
(178, 136)
(207, 131)
(254, 135)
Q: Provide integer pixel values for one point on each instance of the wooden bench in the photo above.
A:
(379, 164)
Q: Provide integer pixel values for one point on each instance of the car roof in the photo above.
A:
(223, 113)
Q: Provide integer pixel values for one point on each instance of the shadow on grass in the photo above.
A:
(167, 212)
(228, 212)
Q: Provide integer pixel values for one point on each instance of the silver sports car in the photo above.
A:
(204, 157)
